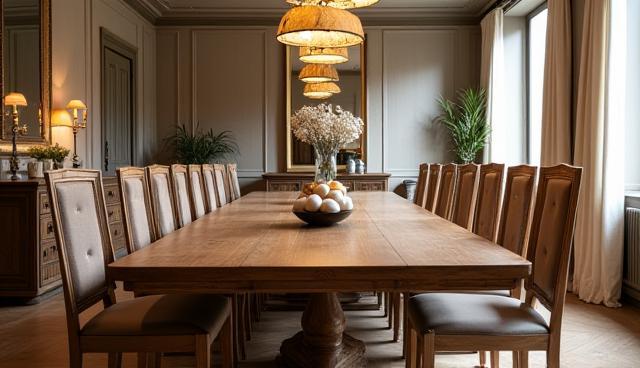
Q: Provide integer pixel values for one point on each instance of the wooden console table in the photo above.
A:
(293, 182)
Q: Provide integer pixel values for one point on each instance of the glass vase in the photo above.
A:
(326, 164)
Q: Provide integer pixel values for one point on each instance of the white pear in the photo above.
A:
(329, 206)
(336, 195)
(298, 205)
(322, 190)
(313, 203)
(346, 204)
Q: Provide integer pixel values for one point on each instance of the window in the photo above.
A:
(537, 31)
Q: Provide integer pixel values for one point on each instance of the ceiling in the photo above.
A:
(236, 12)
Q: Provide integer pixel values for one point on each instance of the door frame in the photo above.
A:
(122, 47)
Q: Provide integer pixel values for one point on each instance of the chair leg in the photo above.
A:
(405, 324)
(387, 307)
(553, 356)
(115, 360)
(246, 314)
(203, 354)
(75, 360)
(495, 359)
(482, 355)
(240, 327)
(379, 294)
(154, 360)
(516, 359)
(412, 349)
(142, 360)
(428, 350)
(397, 309)
(226, 344)
(523, 359)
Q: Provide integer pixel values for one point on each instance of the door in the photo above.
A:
(118, 112)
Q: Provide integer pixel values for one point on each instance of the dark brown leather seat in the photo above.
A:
(161, 315)
(474, 314)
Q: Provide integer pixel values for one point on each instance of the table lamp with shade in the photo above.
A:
(76, 124)
(15, 99)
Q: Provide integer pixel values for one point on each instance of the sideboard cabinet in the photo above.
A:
(28, 250)
(288, 182)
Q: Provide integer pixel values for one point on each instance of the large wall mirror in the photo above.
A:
(352, 74)
(26, 67)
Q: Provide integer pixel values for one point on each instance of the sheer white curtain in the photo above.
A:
(600, 150)
(556, 95)
(491, 79)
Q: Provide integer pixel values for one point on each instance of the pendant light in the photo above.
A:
(320, 91)
(320, 26)
(340, 4)
(318, 73)
(324, 55)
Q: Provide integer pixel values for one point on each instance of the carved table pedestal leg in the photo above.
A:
(322, 342)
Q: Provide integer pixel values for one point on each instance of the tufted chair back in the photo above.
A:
(136, 207)
(465, 195)
(552, 236)
(84, 242)
(516, 208)
(162, 199)
(234, 184)
(180, 184)
(446, 190)
(196, 188)
(485, 221)
(221, 187)
(208, 176)
(433, 180)
(421, 186)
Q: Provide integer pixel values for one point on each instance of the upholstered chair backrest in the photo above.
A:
(221, 186)
(446, 190)
(84, 242)
(208, 176)
(433, 181)
(162, 199)
(234, 183)
(180, 184)
(485, 220)
(138, 221)
(465, 195)
(552, 235)
(196, 188)
(516, 208)
(421, 186)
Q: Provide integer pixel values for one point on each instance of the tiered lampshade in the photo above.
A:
(15, 99)
(318, 73)
(326, 55)
(320, 91)
(340, 4)
(320, 26)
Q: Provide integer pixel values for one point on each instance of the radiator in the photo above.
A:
(632, 251)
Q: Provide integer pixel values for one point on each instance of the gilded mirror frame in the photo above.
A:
(44, 136)
(299, 168)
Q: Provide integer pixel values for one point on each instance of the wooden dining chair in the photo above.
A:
(516, 208)
(446, 191)
(196, 191)
(485, 221)
(465, 192)
(180, 186)
(162, 196)
(219, 171)
(234, 183)
(135, 198)
(211, 196)
(421, 186)
(462, 322)
(433, 181)
(147, 325)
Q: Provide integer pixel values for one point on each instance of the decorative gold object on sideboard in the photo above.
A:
(14, 100)
(74, 106)
(29, 265)
(293, 182)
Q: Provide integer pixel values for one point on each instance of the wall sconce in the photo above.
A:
(14, 100)
(74, 106)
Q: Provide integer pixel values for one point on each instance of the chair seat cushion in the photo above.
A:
(474, 314)
(161, 315)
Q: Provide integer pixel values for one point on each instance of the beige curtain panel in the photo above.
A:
(491, 79)
(556, 94)
(599, 149)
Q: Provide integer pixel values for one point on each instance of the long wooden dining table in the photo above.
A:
(256, 244)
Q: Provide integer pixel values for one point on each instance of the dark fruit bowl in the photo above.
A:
(321, 218)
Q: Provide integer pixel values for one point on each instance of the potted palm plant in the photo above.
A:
(466, 122)
(200, 147)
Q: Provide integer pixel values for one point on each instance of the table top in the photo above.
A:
(256, 243)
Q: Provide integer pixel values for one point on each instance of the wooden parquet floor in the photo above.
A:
(592, 336)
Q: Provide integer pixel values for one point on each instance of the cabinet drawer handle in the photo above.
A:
(110, 213)
(46, 205)
(49, 228)
(110, 193)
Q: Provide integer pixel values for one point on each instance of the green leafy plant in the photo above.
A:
(202, 147)
(57, 153)
(38, 152)
(466, 122)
